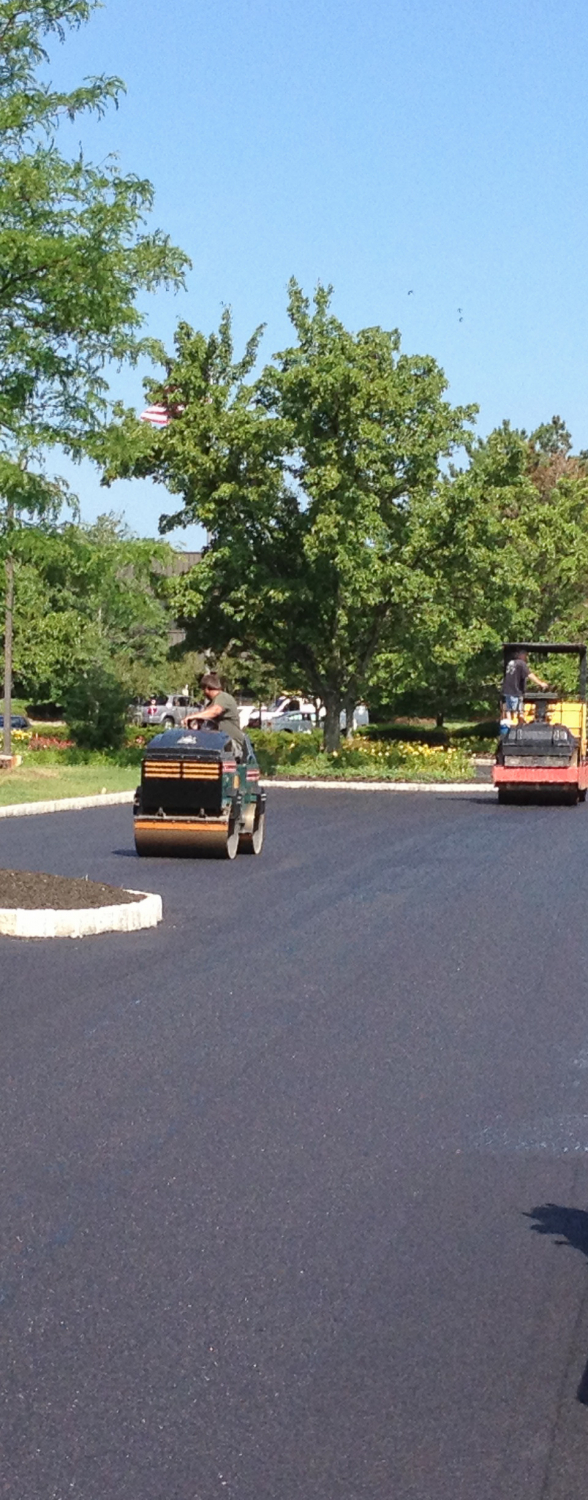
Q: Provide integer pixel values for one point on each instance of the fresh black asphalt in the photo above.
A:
(295, 1186)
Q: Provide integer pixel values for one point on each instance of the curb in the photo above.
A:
(63, 804)
(383, 786)
(114, 799)
(130, 916)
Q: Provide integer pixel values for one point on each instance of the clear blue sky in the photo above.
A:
(429, 147)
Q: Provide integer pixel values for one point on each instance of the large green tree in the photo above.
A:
(90, 596)
(75, 252)
(312, 482)
(508, 551)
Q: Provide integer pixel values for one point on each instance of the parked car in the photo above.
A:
(249, 715)
(286, 705)
(17, 721)
(254, 716)
(292, 721)
(167, 710)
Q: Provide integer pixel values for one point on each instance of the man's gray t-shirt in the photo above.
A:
(229, 719)
(515, 678)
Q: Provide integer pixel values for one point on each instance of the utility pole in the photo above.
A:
(8, 632)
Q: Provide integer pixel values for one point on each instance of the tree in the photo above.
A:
(74, 255)
(508, 554)
(311, 482)
(90, 597)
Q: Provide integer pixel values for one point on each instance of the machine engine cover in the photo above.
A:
(538, 742)
(182, 772)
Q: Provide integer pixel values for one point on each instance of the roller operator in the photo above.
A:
(221, 711)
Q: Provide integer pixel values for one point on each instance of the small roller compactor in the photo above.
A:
(543, 756)
(197, 798)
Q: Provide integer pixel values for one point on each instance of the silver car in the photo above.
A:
(166, 712)
(292, 722)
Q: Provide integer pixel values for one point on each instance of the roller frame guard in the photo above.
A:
(544, 756)
(197, 799)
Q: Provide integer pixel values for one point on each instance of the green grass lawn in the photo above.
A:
(37, 783)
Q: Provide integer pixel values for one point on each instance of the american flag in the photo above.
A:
(158, 416)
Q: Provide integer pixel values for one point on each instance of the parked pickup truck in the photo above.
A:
(166, 711)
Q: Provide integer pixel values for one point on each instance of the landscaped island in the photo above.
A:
(32, 890)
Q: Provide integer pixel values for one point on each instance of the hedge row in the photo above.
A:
(417, 734)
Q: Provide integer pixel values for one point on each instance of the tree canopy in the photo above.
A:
(75, 252)
(508, 537)
(312, 481)
(90, 596)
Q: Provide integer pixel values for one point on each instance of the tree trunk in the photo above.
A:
(8, 624)
(349, 707)
(439, 717)
(332, 727)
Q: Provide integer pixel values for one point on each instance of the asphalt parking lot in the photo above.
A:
(295, 1186)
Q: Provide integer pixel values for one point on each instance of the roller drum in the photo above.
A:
(186, 840)
(251, 842)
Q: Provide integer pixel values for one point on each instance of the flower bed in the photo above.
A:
(281, 755)
(48, 742)
(360, 759)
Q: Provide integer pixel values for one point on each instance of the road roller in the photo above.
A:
(542, 756)
(199, 795)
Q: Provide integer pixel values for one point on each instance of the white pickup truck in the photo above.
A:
(294, 715)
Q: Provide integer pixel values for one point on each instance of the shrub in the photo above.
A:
(44, 742)
(275, 749)
(96, 708)
(360, 758)
(137, 734)
(44, 712)
(402, 759)
(485, 729)
(406, 733)
(50, 734)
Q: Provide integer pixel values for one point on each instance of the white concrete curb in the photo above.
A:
(382, 786)
(111, 799)
(129, 916)
(63, 804)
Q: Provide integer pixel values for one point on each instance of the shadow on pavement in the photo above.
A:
(571, 1225)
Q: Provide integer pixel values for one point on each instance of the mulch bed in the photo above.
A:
(34, 891)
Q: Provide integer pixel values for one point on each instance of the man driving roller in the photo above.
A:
(221, 711)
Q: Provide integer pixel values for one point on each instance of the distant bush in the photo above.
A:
(96, 708)
(54, 753)
(50, 734)
(44, 742)
(485, 729)
(360, 757)
(275, 749)
(415, 734)
(45, 712)
(136, 734)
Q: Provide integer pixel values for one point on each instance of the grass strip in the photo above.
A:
(46, 783)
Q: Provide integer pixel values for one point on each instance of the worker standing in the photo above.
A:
(517, 674)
